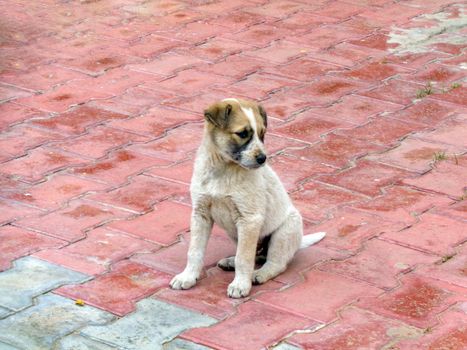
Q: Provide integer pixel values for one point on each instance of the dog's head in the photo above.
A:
(237, 129)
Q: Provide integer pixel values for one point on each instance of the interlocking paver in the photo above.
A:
(19, 139)
(416, 155)
(417, 301)
(157, 322)
(395, 261)
(303, 68)
(98, 142)
(282, 106)
(178, 145)
(233, 20)
(347, 54)
(142, 193)
(336, 150)
(347, 230)
(29, 278)
(434, 233)
(13, 113)
(451, 132)
(280, 51)
(305, 20)
(180, 344)
(11, 211)
(367, 177)
(117, 167)
(308, 258)
(62, 98)
(172, 259)
(450, 268)
(240, 331)
(167, 64)
(55, 192)
(101, 114)
(53, 317)
(357, 329)
(95, 253)
(10, 93)
(427, 112)
(180, 172)
(77, 120)
(436, 74)
(374, 71)
(236, 66)
(327, 36)
(119, 289)
(5, 346)
(358, 109)
(333, 290)
(77, 342)
(309, 126)
(381, 130)
(322, 92)
(259, 85)
(41, 78)
(38, 163)
(316, 201)
(451, 334)
(291, 176)
(70, 223)
(189, 82)
(17, 242)
(215, 49)
(259, 35)
(162, 225)
(402, 204)
(448, 177)
(210, 297)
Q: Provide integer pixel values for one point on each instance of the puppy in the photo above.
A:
(233, 187)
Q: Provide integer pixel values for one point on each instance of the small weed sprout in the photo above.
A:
(427, 90)
(439, 156)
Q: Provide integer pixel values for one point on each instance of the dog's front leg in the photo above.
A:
(201, 226)
(248, 234)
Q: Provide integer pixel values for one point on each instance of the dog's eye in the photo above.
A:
(242, 134)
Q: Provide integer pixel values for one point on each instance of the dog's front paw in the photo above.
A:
(239, 288)
(183, 281)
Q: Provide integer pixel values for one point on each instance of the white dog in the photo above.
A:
(234, 187)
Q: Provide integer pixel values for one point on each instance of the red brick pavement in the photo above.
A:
(100, 111)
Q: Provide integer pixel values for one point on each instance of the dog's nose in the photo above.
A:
(261, 158)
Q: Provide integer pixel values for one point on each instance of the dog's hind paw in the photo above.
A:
(239, 289)
(227, 264)
(183, 281)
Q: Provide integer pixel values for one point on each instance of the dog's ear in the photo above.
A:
(218, 114)
(263, 114)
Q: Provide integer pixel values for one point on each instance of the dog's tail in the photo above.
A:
(308, 240)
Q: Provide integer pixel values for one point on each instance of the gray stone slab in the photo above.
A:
(285, 346)
(180, 344)
(4, 312)
(153, 323)
(53, 317)
(30, 277)
(78, 342)
(4, 346)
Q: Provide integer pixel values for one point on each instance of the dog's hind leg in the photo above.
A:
(285, 241)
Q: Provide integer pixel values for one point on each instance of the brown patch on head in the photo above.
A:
(229, 116)
(231, 124)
